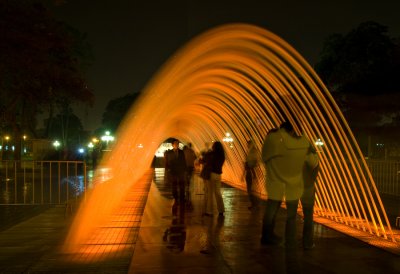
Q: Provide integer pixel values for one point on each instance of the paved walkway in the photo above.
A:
(163, 238)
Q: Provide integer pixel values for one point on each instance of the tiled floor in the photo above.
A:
(34, 246)
(183, 241)
(178, 239)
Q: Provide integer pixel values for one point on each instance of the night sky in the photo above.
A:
(132, 39)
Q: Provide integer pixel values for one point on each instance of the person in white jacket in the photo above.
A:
(285, 155)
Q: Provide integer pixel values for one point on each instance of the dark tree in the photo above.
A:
(361, 70)
(68, 129)
(116, 110)
(365, 61)
(40, 64)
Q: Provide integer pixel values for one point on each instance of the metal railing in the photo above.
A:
(57, 182)
(386, 175)
(42, 182)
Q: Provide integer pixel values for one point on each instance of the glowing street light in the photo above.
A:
(93, 143)
(107, 138)
(7, 138)
(56, 144)
(23, 144)
(319, 144)
(6, 147)
(228, 139)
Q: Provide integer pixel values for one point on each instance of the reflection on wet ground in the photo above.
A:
(177, 238)
(159, 236)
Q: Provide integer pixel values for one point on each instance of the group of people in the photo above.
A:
(291, 164)
(212, 162)
(180, 165)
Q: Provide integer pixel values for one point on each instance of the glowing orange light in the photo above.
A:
(248, 80)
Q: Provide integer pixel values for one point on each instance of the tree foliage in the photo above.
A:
(41, 63)
(361, 69)
(68, 129)
(40, 59)
(365, 61)
(116, 110)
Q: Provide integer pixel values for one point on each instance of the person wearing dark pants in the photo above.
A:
(175, 166)
(250, 173)
(268, 236)
(190, 157)
(285, 154)
(308, 198)
(308, 225)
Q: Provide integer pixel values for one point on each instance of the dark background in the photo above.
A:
(132, 39)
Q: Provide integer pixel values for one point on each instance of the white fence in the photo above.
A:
(41, 182)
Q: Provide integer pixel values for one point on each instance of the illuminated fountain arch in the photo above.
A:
(242, 80)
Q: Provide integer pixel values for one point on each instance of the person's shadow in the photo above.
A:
(175, 235)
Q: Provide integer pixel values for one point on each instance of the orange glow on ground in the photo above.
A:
(243, 80)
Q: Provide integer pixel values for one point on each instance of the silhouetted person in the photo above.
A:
(205, 173)
(215, 159)
(175, 166)
(311, 168)
(284, 154)
(250, 173)
(190, 157)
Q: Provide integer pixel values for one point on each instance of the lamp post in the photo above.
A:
(56, 145)
(107, 138)
(94, 151)
(228, 139)
(5, 148)
(319, 144)
(23, 145)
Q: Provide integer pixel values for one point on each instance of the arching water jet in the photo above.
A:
(243, 80)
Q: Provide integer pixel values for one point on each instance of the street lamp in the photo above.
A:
(107, 138)
(228, 139)
(5, 148)
(7, 138)
(56, 144)
(24, 137)
(319, 144)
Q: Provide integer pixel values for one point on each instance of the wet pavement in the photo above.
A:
(182, 240)
(172, 238)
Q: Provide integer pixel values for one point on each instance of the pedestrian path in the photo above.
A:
(35, 246)
(148, 234)
(181, 240)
